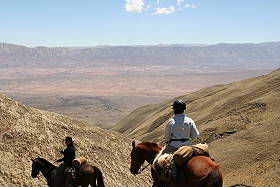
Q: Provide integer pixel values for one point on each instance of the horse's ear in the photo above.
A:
(133, 144)
(34, 159)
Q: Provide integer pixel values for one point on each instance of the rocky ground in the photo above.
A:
(27, 133)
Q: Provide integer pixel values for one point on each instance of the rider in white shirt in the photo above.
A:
(180, 130)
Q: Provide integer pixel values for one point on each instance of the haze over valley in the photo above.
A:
(101, 85)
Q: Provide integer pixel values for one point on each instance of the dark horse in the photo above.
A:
(199, 171)
(88, 174)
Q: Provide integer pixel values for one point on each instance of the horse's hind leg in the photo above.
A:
(218, 179)
(92, 182)
(86, 182)
(85, 185)
(214, 179)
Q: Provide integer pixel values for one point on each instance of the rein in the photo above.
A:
(48, 170)
(141, 170)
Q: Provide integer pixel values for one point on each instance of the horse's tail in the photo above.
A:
(215, 178)
(99, 177)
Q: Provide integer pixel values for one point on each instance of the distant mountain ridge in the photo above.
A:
(229, 56)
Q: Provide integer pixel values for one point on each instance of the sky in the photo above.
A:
(56, 23)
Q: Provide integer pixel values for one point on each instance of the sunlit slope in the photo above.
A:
(239, 120)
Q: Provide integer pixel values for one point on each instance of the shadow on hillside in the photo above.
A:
(240, 185)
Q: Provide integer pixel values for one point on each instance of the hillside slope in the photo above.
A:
(239, 120)
(26, 133)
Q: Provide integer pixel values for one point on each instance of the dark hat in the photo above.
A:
(179, 105)
(68, 138)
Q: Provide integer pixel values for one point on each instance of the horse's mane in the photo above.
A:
(44, 161)
(149, 144)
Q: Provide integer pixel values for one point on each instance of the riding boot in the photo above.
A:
(174, 172)
(158, 170)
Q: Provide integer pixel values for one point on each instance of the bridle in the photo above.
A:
(141, 170)
(48, 170)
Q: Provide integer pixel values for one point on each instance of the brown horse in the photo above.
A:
(199, 171)
(88, 174)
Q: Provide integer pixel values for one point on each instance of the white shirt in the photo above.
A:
(180, 127)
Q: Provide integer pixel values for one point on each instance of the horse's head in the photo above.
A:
(37, 166)
(140, 153)
(137, 159)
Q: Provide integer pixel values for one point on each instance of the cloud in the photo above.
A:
(134, 5)
(168, 10)
(158, 7)
(179, 2)
(193, 6)
(190, 6)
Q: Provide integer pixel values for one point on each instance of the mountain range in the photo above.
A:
(227, 56)
(103, 84)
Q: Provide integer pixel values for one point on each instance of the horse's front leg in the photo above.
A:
(157, 182)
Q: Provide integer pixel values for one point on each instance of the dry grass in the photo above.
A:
(240, 121)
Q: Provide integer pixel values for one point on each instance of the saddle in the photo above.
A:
(72, 173)
(170, 166)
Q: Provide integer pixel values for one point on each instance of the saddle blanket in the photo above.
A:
(183, 154)
(170, 162)
(77, 162)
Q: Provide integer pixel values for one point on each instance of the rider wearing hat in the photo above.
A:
(67, 166)
(179, 131)
(69, 153)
